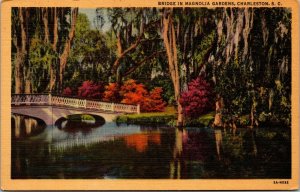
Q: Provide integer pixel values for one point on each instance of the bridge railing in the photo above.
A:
(28, 99)
(44, 99)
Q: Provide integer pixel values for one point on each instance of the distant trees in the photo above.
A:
(90, 53)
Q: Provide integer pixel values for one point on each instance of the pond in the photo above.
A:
(111, 151)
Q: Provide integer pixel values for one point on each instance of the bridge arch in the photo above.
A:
(50, 114)
(24, 125)
(65, 121)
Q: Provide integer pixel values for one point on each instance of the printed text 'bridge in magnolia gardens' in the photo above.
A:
(50, 108)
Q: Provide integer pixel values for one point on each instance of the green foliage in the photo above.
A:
(41, 57)
(202, 49)
(257, 78)
(83, 25)
(91, 54)
(165, 82)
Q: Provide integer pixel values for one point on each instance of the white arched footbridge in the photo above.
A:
(50, 108)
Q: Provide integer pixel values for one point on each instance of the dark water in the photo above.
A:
(131, 151)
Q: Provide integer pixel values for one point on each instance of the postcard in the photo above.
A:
(154, 95)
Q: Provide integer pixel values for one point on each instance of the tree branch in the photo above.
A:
(137, 65)
(131, 47)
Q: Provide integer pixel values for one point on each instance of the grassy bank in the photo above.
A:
(160, 118)
(168, 117)
(204, 120)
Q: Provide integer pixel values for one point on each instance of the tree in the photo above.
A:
(26, 40)
(111, 93)
(247, 49)
(136, 34)
(154, 101)
(67, 46)
(171, 49)
(61, 40)
(20, 42)
(136, 93)
(133, 93)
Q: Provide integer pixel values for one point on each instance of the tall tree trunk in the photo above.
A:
(28, 85)
(119, 53)
(20, 43)
(19, 62)
(53, 65)
(170, 45)
(45, 18)
(28, 75)
(46, 26)
(55, 29)
(67, 47)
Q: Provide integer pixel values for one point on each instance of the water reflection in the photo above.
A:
(176, 162)
(76, 124)
(140, 142)
(24, 126)
(218, 137)
(131, 151)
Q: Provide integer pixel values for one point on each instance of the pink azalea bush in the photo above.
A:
(67, 91)
(89, 89)
(198, 99)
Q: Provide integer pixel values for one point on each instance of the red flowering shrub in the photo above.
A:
(89, 89)
(133, 93)
(198, 99)
(136, 93)
(67, 91)
(154, 101)
(111, 93)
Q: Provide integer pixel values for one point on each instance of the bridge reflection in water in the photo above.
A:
(60, 139)
(25, 126)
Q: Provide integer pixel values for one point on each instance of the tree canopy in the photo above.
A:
(242, 54)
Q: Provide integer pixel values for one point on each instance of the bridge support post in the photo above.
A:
(77, 103)
(138, 109)
(113, 107)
